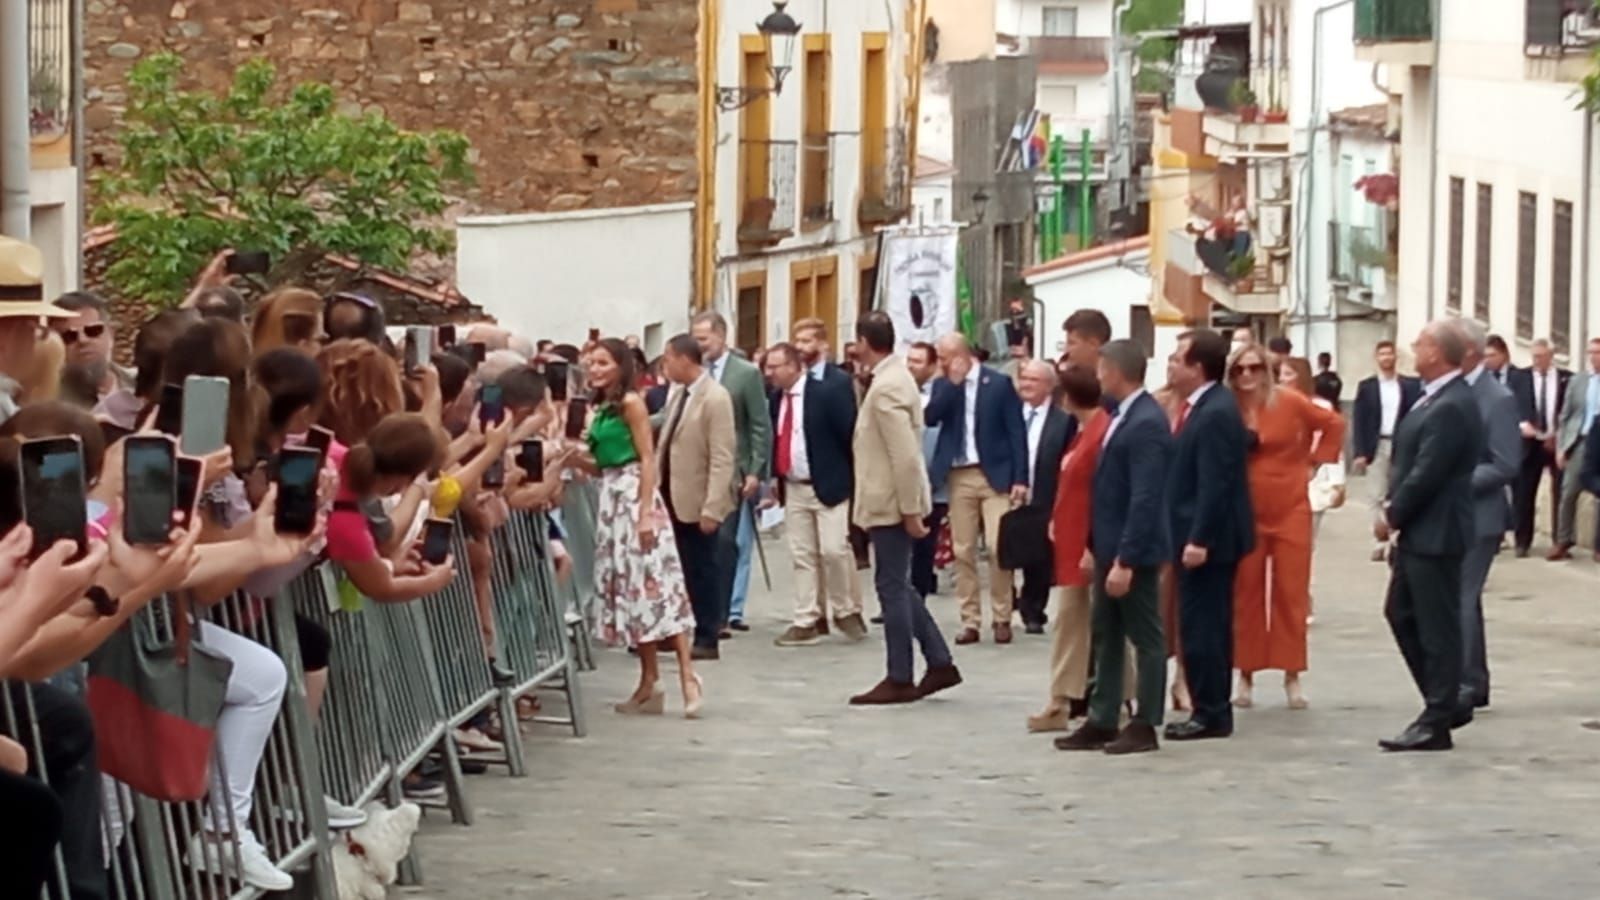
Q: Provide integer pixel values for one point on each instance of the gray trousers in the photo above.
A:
(906, 619)
(1474, 649)
(1571, 488)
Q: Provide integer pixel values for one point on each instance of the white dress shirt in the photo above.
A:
(1034, 417)
(717, 366)
(1122, 413)
(1389, 401)
(1433, 387)
(795, 400)
(1546, 385)
(969, 450)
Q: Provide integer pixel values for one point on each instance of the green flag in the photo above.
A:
(966, 319)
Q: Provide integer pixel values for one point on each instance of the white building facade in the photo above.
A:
(1499, 171)
(805, 177)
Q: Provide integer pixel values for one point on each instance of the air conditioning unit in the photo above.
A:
(1274, 227)
(1272, 180)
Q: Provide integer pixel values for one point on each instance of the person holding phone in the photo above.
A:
(639, 577)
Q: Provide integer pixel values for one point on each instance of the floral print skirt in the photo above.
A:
(641, 594)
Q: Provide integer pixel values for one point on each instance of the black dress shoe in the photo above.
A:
(1419, 737)
(1034, 628)
(1089, 736)
(738, 626)
(1194, 730)
(1463, 717)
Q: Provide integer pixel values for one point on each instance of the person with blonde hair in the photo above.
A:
(1272, 592)
(287, 317)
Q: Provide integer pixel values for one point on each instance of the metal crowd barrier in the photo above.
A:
(579, 501)
(402, 677)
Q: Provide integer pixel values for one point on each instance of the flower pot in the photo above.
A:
(1248, 113)
(1276, 116)
(1245, 285)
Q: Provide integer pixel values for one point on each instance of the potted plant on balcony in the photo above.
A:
(1242, 270)
(1244, 102)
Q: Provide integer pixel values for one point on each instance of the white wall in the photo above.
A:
(1217, 12)
(931, 201)
(53, 227)
(1111, 286)
(1025, 18)
(846, 23)
(556, 275)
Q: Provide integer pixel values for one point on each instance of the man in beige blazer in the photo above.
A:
(697, 481)
(891, 499)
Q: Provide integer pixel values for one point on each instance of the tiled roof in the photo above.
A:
(1093, 254)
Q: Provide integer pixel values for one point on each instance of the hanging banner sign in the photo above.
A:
(919, 286)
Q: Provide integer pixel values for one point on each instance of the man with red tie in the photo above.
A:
(813, 420)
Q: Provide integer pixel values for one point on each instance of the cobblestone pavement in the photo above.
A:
(784, 791)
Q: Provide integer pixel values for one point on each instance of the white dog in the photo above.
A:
(365, 859)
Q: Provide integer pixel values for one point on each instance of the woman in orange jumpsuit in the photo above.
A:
(1272, 591)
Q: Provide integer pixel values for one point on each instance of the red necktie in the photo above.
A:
(1183, 416)
(785, 432)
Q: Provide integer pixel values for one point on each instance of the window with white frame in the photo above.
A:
(1059, 21)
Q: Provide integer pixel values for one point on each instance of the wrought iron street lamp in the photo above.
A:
(980, 205)
(778, 33)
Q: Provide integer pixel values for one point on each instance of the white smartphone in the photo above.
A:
(205, 415)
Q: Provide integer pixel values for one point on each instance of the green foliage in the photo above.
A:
(268, 168)
(1155, 55)
(1590, 85)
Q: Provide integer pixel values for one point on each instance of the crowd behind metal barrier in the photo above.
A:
(406, 675)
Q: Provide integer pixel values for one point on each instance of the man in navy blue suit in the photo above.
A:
(982, 461)
(1128, 538)
(813, 421)
(1208, 507)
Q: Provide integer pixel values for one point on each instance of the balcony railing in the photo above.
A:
(1558, 27)
(49, 68)
(768, 213)
(883, 185)
(1357, 254)
(1071, 55)
(1386, 21)
(816, 178)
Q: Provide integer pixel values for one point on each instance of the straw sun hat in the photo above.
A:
(22, 282)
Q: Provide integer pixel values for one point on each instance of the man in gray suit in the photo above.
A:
(753, 423)
(1491, 511)
(1578, 409)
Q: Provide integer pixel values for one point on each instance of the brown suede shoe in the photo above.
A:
(887, 692)
(1559, 552)
(1089, 736)
(1136, 737)
(938, 678)
(852, 627)
(967, 636)
(1002, 633)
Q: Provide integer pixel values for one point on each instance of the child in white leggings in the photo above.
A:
(255, 691)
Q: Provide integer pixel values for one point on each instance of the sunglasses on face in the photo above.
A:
(1253, 368)
(69, 336)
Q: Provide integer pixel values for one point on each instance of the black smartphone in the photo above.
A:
(557, 373)
(477, 352)
(54, 493)
(299, 471)
(594, 335)
(249, 262)
(149, 488)
(187, 492)
(169, 413)
(530, 458)
(491, 404)
(495, 475)
(447, 336)
(436, 541)
(419, 347)
(577, 416)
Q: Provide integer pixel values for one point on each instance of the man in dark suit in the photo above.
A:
(813, 421)
(1382, 400)
(1129, 540)
(1539, 390)
(1048, 430)
(1492, 478)
(1429, 505)
(982, 459)
(1208, 506)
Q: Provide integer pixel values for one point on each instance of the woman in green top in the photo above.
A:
(638, 576)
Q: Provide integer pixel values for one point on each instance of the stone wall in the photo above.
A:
(567, 103)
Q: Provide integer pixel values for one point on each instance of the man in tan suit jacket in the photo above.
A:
(697, 479)
(891, 499)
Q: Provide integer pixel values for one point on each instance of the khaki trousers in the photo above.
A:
(1378, 479)
(819, 545)
(974, 505)
(1070, 648)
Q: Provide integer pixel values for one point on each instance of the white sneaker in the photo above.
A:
(473, 740)
(213, 854)
(341, 817)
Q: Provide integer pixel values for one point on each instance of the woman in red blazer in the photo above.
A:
(1069, 534)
